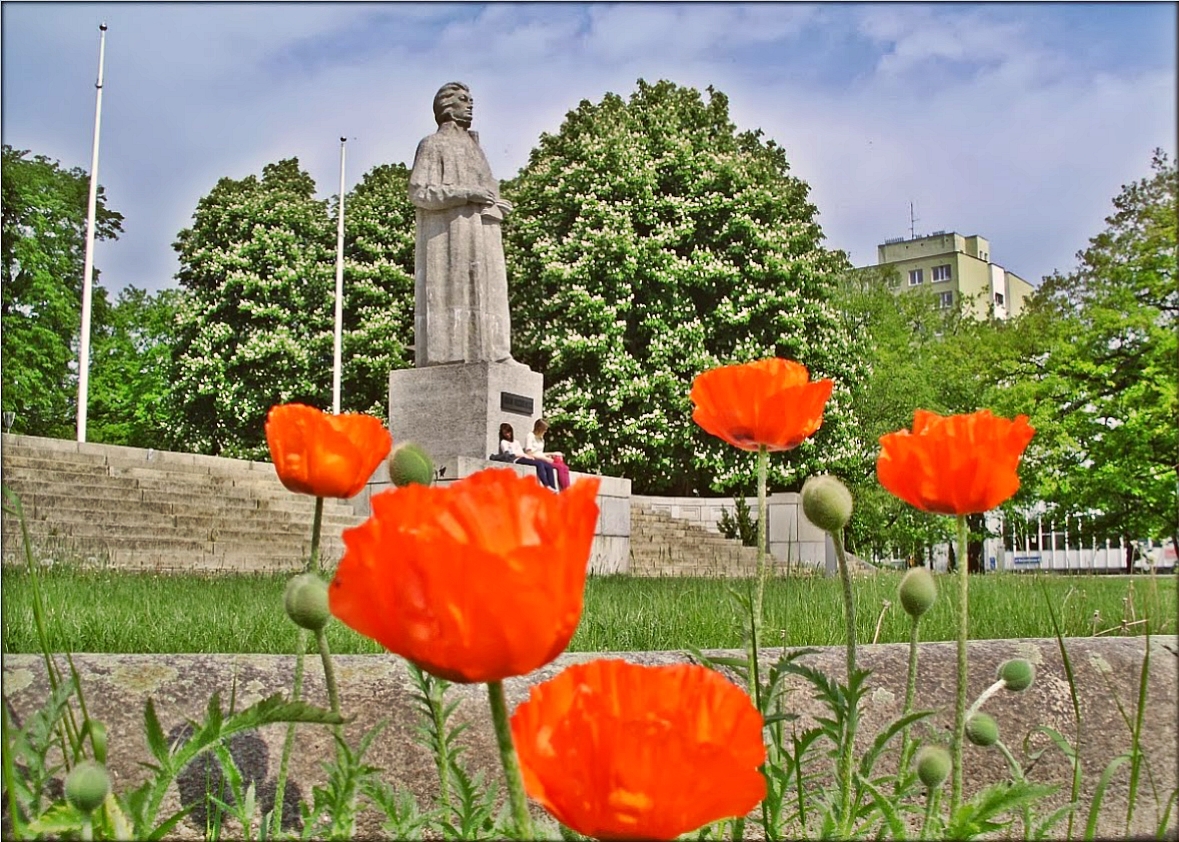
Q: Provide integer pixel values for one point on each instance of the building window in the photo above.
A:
(945, 299)
(999, 298)
(916, 277)
(941, 273)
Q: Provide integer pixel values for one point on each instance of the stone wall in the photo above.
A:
(792, 538)
(376, 687)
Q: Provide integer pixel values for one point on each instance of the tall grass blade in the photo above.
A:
(1136, 734)
(1072, 689)
(1099, 795)
(1160, 831)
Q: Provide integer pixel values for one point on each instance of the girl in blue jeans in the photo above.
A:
(508, 446)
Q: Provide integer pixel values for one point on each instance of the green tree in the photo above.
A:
(920, 355)
(900, 336)
(1103, 394)
(378, 286)
(44, 239)
(255, 327)
(129, 380)
(651, 241)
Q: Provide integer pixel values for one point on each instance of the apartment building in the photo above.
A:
(955, 268)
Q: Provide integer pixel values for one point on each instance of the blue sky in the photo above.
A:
(1019, 122)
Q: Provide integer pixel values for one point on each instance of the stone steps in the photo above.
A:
(45, 498)
(154, 510)
(661, 545)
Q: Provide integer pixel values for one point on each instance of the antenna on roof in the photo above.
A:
(912, 222)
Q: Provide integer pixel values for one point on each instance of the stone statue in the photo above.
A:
(460, 279)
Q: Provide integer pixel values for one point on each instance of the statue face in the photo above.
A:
(460, 108)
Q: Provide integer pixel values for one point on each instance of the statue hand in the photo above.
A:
(504, 205)
(480, 196)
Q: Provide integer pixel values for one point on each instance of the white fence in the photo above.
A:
(1037, 545)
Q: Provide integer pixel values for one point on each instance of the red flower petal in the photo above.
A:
(958, 464)
(477, 581)
(769, 402)
(325, 455)
(620, 751)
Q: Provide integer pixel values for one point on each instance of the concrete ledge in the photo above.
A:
(376, 687)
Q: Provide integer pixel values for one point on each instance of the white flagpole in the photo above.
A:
(338, 345)
(88, 265)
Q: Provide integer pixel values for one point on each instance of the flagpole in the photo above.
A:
(338, 345)
(88, 264)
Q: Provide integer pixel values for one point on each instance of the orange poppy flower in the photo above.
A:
(954, 465)
(620, 751)
(475, 582)
(325, 455)
(769, 402)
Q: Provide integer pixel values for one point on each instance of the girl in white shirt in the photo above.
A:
(535, 449)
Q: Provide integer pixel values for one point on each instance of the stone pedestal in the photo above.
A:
(455, 410)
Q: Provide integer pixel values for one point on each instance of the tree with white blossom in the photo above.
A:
(378, 286)
(255, 326)
(651, 241)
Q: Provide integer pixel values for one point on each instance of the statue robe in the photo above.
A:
(460, 279)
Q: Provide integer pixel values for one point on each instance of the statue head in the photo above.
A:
(453, 103)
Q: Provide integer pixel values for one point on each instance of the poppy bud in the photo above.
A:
(933, 766)
(1017, 674)
(982, 729)
(917, 591)
(86, 786)
(306, 601)
(826, 502)
(409, 463)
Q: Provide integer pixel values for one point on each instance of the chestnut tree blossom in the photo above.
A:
(651, 241)
(256, 325)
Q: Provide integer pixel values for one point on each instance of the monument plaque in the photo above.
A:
(515, 403)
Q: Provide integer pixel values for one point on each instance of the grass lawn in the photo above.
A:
(105, 611)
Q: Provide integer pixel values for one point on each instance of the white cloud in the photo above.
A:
(963, 109)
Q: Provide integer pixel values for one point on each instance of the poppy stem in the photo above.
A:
(507, 754)
(932, 797)
(289, 743)
(963, 571)
(847, 758)
(329, 674)
(763, 459)
(316, 526)
(910, 695)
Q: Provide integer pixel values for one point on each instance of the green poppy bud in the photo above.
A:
(1017, 674)
(826, 502)
(306, 601)
(410, 463)
(918, 591)
(933, 766)
(86, 786)
(982, 729)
